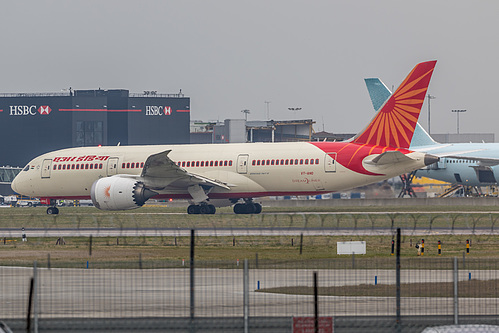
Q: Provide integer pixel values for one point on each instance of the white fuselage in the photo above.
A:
(249, 170)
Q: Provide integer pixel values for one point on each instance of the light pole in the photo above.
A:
(268, 110)
(246, 112)
(458, 112)
(430, 97)
(294, 110)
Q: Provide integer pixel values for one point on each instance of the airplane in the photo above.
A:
(209, 175)
(467, 164)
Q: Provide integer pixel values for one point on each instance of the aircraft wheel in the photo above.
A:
(205, 209)
(250, 208)
(213, 210)
(258, 208)
(239, 208)
(193, 209)
(52, 210)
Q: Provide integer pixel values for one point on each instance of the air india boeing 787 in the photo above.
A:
(125, 177)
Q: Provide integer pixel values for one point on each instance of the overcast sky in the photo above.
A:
(233, 55)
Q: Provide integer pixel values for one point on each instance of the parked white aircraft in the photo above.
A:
(119, 178)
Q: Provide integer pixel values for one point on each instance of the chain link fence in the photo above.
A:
(357, 293)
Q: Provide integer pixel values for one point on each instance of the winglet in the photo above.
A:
(394, 124)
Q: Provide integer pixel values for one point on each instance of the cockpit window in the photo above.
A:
(26, 168)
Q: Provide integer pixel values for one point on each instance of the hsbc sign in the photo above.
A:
(29, 110)
(152, 110)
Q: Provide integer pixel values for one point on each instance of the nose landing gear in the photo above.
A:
(52, 210)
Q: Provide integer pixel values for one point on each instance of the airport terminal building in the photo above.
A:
(33, 124)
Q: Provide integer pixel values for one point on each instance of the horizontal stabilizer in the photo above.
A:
(389, 157)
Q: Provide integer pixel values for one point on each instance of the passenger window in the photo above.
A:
(142, 164)
(211, 163)
(317, 161)
(197, 163)
(64, 167)
(225, 163)
(272, 162)
(291, 162)
(287, 162)
(77, 167)
(216, 163)
(306, 161)
(230, 163)
(202, 163)
(253, 162)
(127, 165)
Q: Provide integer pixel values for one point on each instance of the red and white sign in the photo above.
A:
(153, 110)
(44, 109)
(307, 325)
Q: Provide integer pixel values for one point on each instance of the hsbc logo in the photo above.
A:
(152, 110)
(29, 110)
(44, 109)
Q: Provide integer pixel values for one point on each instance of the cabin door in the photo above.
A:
(112, 166)
(46, 166)
(242, 163)
(330, 162)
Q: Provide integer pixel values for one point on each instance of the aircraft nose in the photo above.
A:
(430, 159)
(13, 185)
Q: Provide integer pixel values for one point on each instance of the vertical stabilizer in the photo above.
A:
(394, 124)
(379, 94)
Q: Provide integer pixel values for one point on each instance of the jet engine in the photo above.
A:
(119, 193)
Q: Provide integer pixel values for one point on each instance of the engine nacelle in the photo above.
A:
(119, 193)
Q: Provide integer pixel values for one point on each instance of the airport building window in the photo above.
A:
(89, 133)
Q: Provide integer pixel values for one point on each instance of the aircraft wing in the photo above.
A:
(160, 171)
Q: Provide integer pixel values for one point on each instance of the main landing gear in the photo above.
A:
(52, 210)
(201, 209)
(248, 207)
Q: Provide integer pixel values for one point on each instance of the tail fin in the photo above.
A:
(379, 93)
(394, 124)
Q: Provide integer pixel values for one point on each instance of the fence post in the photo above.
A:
(246, 296)
(456, 299)
(191, 268)
(301, 243)
(35, 298)
(316, 305)
(397, 279)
